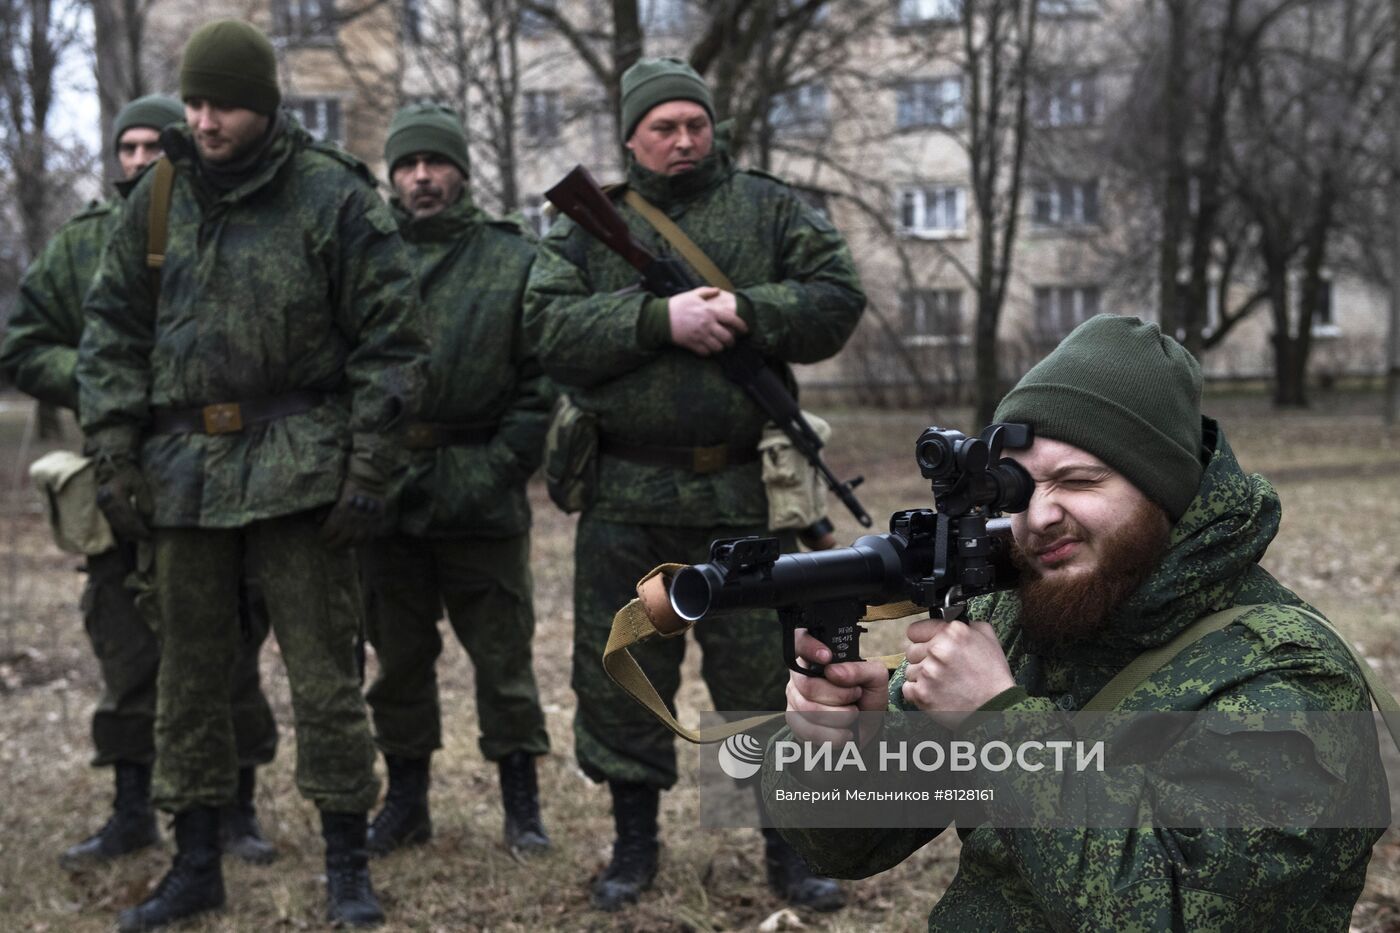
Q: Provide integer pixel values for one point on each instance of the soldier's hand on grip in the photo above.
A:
(705, 320)
(827, 708)
(124, 497)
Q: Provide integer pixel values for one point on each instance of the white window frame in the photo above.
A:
(1059, 309)
(1057, 203)
(665, 17)
(326, 113)
(929, 102)
(932, 211)
(922, 12)
(1071, 100)
(541, 115)
(802, 110)
(304, 20)
(920, 306)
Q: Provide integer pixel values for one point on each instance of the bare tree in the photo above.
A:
(119, 38)
(1308, 143)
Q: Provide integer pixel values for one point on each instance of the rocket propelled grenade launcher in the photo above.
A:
(934, 558)
(580, 198)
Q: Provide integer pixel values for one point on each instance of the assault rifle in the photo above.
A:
(579, 197)
(932, 558)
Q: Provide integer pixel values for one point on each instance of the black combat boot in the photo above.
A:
(239, 832)
(403, 820)
(633, 864)
(131, 826)
(195, 882)
(350, 899)
(520, 797)
(793, 881)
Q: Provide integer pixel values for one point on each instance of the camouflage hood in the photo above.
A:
(456, 221)
(251, 173)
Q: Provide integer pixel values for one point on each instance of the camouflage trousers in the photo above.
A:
(128, 655)
(615, 737)
(313, 601)
(488, 593)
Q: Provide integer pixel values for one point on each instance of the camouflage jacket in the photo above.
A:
(40, 351)
(294, 280)
(472, 272)
(608, 344)
(1100, 879)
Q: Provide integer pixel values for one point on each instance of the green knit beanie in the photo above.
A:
(230, 62)
(426, 128)
(155, 111)
(1123, 391)
(653, 81)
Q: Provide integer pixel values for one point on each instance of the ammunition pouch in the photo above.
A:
(796, 494)
(571, 456)
(68, 485)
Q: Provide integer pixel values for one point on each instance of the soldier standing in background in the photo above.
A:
(678, 464)
(39, 354)
(257, 391)
(463, 532)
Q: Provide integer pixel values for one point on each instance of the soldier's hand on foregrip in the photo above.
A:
(827, 708)
(705, 320)
(124, 497)
(359, 513)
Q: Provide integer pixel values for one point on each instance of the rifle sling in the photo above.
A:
(158, 219)
(682, 244)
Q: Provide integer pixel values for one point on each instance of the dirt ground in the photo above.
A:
(1337, 470)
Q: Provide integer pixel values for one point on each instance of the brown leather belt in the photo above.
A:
(232, 417)
(695, 459)
(427, 435)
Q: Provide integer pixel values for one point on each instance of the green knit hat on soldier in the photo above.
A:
(654, 81)
(427, 128)
(230, 62)
(154, 111)
(1128, 394)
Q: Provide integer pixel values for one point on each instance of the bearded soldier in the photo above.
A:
(678, 464)
(255, 393)
(463, 538)
(39, 354)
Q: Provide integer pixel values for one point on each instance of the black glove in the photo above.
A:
(359, 513)
(124, 497)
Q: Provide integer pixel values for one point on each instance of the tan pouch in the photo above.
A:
(796, 495)
(67, 483)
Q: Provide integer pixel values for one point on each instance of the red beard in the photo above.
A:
(1076, 608)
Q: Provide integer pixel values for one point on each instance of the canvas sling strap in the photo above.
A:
(650, 614)
(1154, 659)
(158, 219)
(682, 244)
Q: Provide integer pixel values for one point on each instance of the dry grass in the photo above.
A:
(1338, 472)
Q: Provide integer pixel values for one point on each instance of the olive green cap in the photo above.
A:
(230, 62)
(156, 111)
(427, 128)
(653, 81)
(1122, 390)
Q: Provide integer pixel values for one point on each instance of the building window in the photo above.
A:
(1324, 319)
(917, 12)
(932, 315)
(934, 211)
(532, 22)
(320, 116)
(540, 114)
(1067, 101)
(304, 19)
(664, 17)
(1059, 309)
(535, 217)
(800, 111)
(1064, 9)
(412, 22)
(928, 102)
(1065, 203)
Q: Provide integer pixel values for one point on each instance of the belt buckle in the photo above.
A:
(710, 459)
(224, 418)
